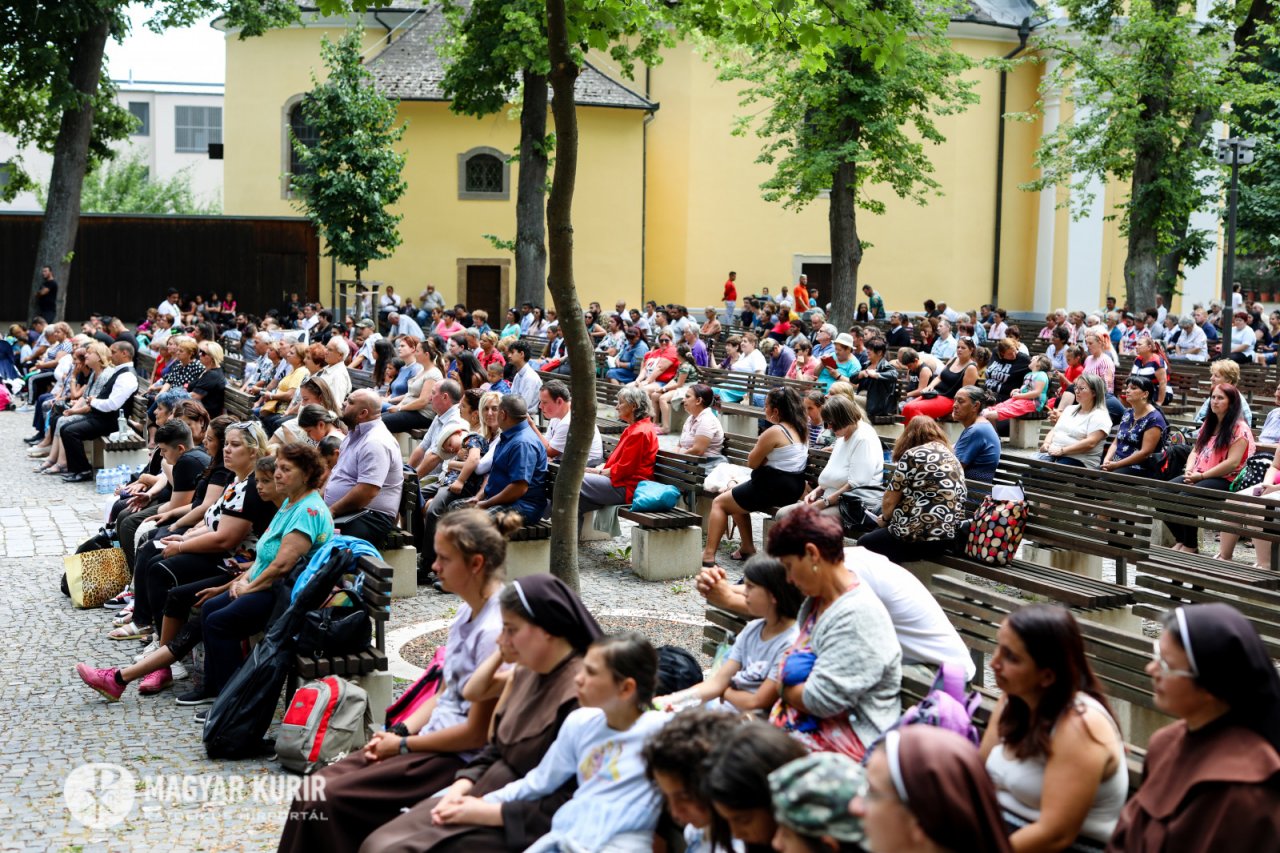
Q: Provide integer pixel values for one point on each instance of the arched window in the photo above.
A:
(484, 174)
(303, 132)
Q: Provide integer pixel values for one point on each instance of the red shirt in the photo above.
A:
(801, 295)
(493, 355)
(730, 292)
(632, 460)
(669, 353)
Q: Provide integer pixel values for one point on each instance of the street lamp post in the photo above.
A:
(1236, 152)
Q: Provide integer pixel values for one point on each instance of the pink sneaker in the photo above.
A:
(154, 682)
(101, 680)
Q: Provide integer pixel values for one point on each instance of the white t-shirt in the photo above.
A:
(558, 436)
(923, 630)
(169, 308)
(757, 657)
(1074, 425)
(857, 460)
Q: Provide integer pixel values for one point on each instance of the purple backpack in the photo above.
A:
(947, 705)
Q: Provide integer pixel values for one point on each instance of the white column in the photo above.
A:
(1047, 213)
(1204, 282)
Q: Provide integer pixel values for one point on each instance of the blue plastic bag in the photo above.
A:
(654, 497)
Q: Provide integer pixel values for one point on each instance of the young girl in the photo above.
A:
(743, 681)
(675, 759)
(615, 807)
(1027, 399)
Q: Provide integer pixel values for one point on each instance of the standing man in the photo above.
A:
(801, 292)
(100, 413)
(875, 302)
(363, 491)
(47, 295)
(431, 299)
(169, 306)
(730, 298)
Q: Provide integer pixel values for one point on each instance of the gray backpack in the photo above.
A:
(326, 720)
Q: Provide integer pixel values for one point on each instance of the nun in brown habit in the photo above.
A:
(926, 790)
(1212, 779)
(550, 630)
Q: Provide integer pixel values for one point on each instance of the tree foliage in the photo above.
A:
(1258, 226)
(352, 173)
(1147, 80)
(125, 185)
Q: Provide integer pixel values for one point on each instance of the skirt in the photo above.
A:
(1011, 408)
(769, 487)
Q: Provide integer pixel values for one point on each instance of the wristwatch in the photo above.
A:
(404, 746)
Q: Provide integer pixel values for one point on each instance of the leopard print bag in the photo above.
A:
(96, 577)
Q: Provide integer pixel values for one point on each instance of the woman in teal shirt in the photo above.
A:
(301, 526)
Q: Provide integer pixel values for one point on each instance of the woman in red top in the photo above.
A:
(489, 351)
(659, 366)
(615, 482)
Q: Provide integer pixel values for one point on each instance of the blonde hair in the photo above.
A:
(489, 397)
(1226, 370)
(214, 349)
(186, 344)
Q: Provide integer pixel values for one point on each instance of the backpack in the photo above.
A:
(947, 706)
(326, 720)
(419, 692)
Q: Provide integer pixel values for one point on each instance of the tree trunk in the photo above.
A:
(564, 293)
(531, 230)
(70, 162)
(846, 248)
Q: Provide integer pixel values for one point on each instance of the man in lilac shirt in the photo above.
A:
(700, 355)
(363, 491)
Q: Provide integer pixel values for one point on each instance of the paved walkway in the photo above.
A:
(168, 794)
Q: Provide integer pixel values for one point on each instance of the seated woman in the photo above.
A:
(1225, 371)
(926, 791)
(393, 772)
(1139, 446)
(811, 800)
(1031, 397)
(924, 503)
(856, 466)
(841, 678)
(297, 531)
(702, 435)
(777, 465)
(1212, 779)
(1080, 433)
(747, 680)
(95, 360)
(805, 367)
(1005, 372)
(313, 361)
(978, 447)
(675, 760)
(1149, 361)
(613, 809)
(660, 365)
(296, 372)
(686, 375)
(407, 354)
(613, 483)
(1059, 342)
(711, 325)
(211, 388)
(746, 359)
(921, 365)
(937, 397)
(1067, 381)
(1052, 746)
(1224, 444)
(878, 381)
(412, 411)
(546, 630)
(736, 782)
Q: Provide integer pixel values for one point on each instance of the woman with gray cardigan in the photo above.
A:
(841, 678)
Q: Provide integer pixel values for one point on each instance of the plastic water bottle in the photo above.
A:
(100, 481)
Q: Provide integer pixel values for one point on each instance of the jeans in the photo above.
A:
(1060, 460)
(74, 436)
(227, 624)
(372, 527)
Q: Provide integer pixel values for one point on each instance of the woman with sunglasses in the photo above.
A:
(1212, 779)
(210, 389)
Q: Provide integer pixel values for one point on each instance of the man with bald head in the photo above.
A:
(363, 491)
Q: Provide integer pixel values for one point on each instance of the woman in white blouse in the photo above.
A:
(856, 466)
(702, 434)
(1079, 437)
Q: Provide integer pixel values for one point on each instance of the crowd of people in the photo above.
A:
(547, 734)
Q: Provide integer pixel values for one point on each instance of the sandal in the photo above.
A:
(125, 617)
(739, 556)
(54, 469)
(129, 631)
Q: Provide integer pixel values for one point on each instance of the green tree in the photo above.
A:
(852, 123)
(125, 185)
(351, 174)
(499, 47)
(1258, 225)
(1147, 80)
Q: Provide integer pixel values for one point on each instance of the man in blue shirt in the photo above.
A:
(518, 478)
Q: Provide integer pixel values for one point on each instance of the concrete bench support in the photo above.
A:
(103, 456)
(659, 555)
(678, 415)
(528, 557)
(1089, 565)
(740, 424)
(1024, 434)
(407, 444)
(379, 687)
(404, 562)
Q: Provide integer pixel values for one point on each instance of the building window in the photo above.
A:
(141, 110)
(6, 174)
(484, 174)
(304, 133)
(196, 127)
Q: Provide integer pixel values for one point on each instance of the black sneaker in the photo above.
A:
(195, 697)
(202, 716)
(119, 601)
(33, 439)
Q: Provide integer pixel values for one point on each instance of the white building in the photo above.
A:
(179, 121)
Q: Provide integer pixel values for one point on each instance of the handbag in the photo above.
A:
(335, 631)
(654, 497)
(853, 515)
(1253, 472)
(95, 577)
(996, 530)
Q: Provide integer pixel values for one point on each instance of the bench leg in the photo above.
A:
(659, 555)
(1023, 434)
(530, 557)
(889, 431)
(404, 564)
(406, 444)
(740, 424)
(1088, 565)
(378, 685)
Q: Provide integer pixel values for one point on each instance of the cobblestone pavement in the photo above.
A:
(51, 724)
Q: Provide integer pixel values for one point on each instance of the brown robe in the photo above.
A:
(1211, 790)
(525, 728)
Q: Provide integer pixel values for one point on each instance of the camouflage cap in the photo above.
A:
(811, 796)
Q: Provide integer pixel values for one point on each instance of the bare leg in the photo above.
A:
(158, 659)
(1227, 545)
(717, 521)
(169, 628)
(1262, 552)
(746, 546)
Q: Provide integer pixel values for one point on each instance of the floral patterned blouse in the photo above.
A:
(931, 480)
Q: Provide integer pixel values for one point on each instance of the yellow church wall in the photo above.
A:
(707, 216)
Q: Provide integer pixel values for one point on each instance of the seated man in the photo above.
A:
(100, 414)
(444, 402)
(517, 480)
(923, 630)
(363, 490)
(554, 401)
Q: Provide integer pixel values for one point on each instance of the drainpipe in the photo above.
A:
(1024, 30)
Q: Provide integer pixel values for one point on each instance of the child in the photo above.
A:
(466, 448)
(496, 382)
(615, 807)
(743, 681)
(675, 759)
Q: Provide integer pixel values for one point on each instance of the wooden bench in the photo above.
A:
(368, 667)
(238, 404)
(665, 545)
(1163, 586)
(233, 368)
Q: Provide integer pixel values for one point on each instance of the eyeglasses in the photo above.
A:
(864, 791)
(1167, 671)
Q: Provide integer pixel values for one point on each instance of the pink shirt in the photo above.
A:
(1210, 456)
(1101, 366)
